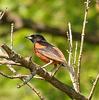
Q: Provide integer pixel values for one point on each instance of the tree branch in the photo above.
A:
(2, 13)
(93, 87)
(69, 35)
(42, 73)
(7, 62)
(13, 77)
(18, 76)
(82, 42)
(70, 66)
(38, 93)
(11, 33)
(75, 55)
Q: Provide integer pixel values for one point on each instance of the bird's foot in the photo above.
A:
(52, 74)
(54, 71)
(29, 58)
(47, 64)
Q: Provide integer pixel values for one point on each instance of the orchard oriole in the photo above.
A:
(47, 52)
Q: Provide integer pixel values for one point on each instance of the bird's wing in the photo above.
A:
(53, 53)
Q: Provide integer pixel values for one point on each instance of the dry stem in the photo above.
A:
(93, 87)
(8, 62)
(13, 77)
(70, 66)
(82, 42)
(12, 27)
(70, 43)
(2, 13)
(75, 55)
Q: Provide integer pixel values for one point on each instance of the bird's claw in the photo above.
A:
(51, 74)
(29, 58)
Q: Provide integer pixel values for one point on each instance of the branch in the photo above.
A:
(7, 62)
(82, 41)
(69, 35)
(4, 57)
(2, 13)
(13, 77)
(19, 76)
(75, 55)
(70, 66)
(93, 87)
(42, 73)
(38, 93)
(12, 27)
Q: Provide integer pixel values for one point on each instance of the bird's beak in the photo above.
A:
(28, 37)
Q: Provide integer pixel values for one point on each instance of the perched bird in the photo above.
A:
(47, 52)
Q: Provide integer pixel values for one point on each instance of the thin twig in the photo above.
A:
(22, 78)
(82, 41)
(7, 62)
(70, 66)
(70, 43)
(72, 56)
(75, 55)
(36, 92)
(93, 87)
(34, 89)
(12, 27)
(13, 77)
(4, 57)
(2, 13)
(11, 34)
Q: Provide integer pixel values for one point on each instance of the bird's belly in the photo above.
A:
(42, 57)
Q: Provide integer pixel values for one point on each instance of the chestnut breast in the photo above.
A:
(47, 52)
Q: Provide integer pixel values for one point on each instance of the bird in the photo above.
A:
(47, 52)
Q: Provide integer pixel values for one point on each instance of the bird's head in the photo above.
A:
(36, 38)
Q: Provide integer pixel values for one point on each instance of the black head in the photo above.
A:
(35, 38)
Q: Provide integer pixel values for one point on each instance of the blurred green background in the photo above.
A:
(57, 14)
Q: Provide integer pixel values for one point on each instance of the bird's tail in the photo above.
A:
(69, 67)
(64, 64)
